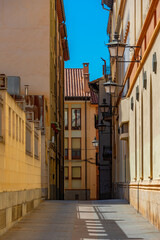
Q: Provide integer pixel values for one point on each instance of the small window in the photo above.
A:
(20, 129)
(16, 127)
(13, 124)
(66, 173)
(76, 148)
(66, 147)
(36, 140)
(28, 138)
(9, 121)
(1, 112)
(66, 118)
(76, 172)
(76, 119)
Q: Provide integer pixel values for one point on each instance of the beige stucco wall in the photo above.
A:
(141, 185)
(24, 42)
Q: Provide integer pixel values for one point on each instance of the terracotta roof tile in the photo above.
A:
(74, 83)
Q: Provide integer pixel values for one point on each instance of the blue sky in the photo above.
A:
(86, 23)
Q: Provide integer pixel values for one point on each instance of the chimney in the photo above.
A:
(86, 77)
(26, 90)
(86, 68)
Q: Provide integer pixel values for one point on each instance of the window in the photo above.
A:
(76, 172)
(36, 139)
(66, 172)
(20, 129)
(10, 120)
(16, 127)
(13, 124)
(76, 119)
(28, 138)
(76, 148)
(1, 106)
(66, 147)
(66, 118)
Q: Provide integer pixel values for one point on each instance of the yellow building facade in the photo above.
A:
(80, 171)
(135, 160)
(34, 47)
(20, 163)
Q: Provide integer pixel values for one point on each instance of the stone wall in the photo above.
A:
(15, 205)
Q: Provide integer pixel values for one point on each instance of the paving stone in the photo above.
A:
(90, 220)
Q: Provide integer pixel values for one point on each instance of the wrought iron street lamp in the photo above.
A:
(116, 47)
(101, 126)
(95, 142)
(104, 107)
(111, 86)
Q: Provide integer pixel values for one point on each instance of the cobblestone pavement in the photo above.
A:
(75, 220)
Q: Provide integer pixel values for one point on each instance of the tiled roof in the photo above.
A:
(74, 83)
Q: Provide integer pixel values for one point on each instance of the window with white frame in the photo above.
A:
(76, 119)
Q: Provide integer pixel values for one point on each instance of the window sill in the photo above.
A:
(1, 139)
(29, 153)
(36, 157)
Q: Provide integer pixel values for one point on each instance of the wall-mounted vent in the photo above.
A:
(30, 206)
(154, 63)
(2, 219)
(145, 80)
(132, 103)
(16, 212)
(137, 93)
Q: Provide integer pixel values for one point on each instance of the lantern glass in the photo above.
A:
(110, 88)
(95, 142)
(112, 50)
(104, 108)
(116, 47)
(121, 49)
(102, 126)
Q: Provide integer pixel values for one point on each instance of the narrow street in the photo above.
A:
(73, 220)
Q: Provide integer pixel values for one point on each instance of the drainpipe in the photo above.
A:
(86, 145)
